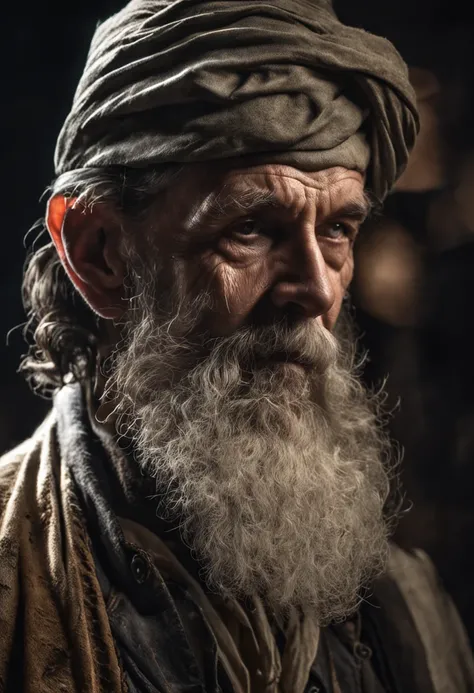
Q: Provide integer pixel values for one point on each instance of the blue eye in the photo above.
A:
(335, 231)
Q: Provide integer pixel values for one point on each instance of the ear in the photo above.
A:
(88, 243)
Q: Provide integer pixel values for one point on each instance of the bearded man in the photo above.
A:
(207, 506)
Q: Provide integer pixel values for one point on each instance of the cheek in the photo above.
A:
(234, 290)
(341, 281)
(347, 271)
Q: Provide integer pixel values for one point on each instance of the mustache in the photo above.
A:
(307, 344)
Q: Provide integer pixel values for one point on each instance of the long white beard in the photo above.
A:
(275, 472)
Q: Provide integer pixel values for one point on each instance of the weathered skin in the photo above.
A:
(257, 239)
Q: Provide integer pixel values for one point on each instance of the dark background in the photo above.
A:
(414, 289)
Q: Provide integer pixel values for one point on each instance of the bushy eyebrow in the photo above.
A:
(225, 203)
(358, 210)
(253, 200)
(248, 200)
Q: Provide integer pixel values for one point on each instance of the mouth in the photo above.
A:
(286, 359)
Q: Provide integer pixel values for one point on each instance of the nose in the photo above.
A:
(305, 281)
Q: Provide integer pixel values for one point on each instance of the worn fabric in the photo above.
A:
(245, 638)
(54, 631)
(188, 81)
(92, 597)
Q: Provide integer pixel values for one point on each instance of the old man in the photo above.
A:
(208, 506)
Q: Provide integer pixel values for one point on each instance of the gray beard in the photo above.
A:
(274, 471)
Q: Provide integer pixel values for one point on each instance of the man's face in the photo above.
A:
(264, 243)
(239, 398)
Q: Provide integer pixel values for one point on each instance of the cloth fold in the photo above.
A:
(245, 638)
(199, 80)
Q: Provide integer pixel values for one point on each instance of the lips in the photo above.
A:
(284, 357)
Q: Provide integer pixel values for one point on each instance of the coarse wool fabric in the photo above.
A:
(284, 81)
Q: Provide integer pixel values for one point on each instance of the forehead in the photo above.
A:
(285, 182)
(284, 186)
(269, 173)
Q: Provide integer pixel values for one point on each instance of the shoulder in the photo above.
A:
(420, 585)
(11, 464)
(19, 467)
(11, 460)
(435, 618)
(418, 581)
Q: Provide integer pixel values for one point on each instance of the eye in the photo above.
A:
(246, 238)
(247, 228)
(336, 231)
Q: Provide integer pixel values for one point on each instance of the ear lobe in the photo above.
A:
(87, 241)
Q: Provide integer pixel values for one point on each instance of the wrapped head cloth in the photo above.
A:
(270, 80)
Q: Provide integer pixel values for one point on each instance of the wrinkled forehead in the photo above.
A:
(276, 176)
(235, 175)
(218, 179)
(210, 193)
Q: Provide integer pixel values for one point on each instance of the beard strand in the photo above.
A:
(275, 473)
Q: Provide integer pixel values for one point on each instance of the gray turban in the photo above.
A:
(273, 81)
